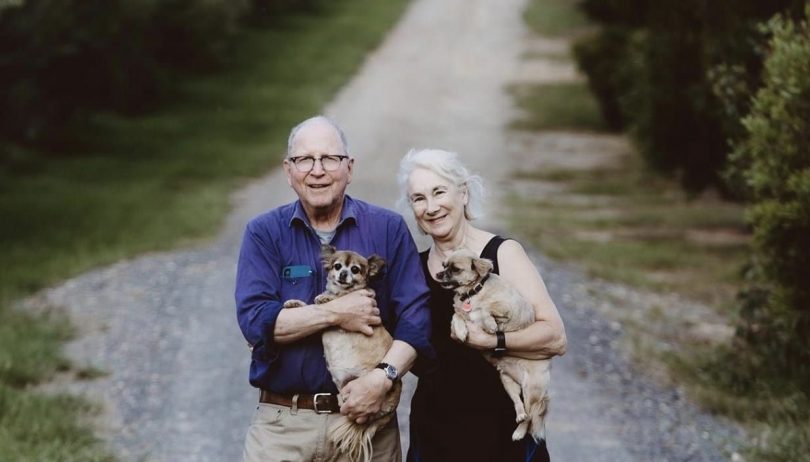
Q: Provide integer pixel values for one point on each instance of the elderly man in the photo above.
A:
(280, 260)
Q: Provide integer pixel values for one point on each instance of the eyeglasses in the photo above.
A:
(328, 162)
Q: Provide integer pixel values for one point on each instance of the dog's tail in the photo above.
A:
(352, 439)
(537, 413)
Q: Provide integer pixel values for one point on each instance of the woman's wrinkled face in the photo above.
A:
(437, 203)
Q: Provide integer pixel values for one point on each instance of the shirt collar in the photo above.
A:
(348, 212)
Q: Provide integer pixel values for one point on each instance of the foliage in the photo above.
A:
(145, 182)
(652, 66)
(61, 58)
(590, 54)
(773, 159)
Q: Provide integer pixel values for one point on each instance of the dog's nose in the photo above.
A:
(342, 276)
(440, 275)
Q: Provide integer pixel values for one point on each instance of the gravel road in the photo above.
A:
(163, 325)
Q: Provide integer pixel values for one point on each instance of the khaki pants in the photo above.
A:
(277, 435)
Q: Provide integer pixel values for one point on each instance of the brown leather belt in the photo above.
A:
(322, 403)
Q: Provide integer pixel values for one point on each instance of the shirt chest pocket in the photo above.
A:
(298, 282)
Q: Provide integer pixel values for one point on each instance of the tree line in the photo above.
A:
(63, 59)
(717, 94)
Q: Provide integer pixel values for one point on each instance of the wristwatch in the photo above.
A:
(390, 371)
(500, 348)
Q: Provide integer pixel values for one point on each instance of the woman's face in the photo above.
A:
(437, 203)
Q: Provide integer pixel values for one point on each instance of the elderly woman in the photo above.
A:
(461, 412)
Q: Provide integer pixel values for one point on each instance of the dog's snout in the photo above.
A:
(440, 275)
(343, 275)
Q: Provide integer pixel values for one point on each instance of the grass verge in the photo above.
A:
(623, 224)
(155, 182)
(563, 105)
(770, 401)
(555, 18)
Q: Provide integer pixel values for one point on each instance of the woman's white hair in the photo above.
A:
(447, 165)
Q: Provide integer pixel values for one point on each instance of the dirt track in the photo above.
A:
(164, 325)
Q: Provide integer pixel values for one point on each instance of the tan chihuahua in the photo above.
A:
(487, 300)
(352, 354)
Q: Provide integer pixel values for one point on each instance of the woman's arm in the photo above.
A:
(544, 338)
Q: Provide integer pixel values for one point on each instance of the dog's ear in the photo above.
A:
(375, 265)
(327, 252)
(482, 266)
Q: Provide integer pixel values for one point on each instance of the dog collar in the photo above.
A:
(475, 290)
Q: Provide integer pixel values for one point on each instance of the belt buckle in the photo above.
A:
(315, 403)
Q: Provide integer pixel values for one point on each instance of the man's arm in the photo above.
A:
(257, 289)
(262, 318)
(408, 299)
(363, 397)
(356, 312)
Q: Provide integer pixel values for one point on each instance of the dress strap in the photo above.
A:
(490, 251)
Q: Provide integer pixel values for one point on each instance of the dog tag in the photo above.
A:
(466, 306)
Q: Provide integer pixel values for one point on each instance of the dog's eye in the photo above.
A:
(337, 266)
(355, 269)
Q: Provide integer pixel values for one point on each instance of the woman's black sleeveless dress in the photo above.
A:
(460, 411)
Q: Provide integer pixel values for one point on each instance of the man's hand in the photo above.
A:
(356, 311)
(363, 397)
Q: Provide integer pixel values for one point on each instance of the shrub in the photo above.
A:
(62, 57)
(773, 159)
(593, 57)
(652, 68)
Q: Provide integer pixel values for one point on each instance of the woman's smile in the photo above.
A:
(437, 203)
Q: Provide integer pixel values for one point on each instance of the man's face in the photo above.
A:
(318, 189)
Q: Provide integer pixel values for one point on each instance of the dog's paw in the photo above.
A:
(293, 303)
(489, 326)
(520, 417)
(324, 298)
(520, 431)
(458, 328)
(460, 334)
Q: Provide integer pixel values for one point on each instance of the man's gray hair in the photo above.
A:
(322, 119)
(447, 165)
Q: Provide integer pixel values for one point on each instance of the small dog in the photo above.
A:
(351, 354)
(485, 299)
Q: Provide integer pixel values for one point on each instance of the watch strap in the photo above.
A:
(500, 347)
(390, 371)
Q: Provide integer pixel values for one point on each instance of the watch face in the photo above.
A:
(390, 371)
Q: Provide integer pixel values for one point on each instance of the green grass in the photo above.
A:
(554, 18)
(567, 105)
(631, 227)
(155, 182)
(36, 427)
(772, 403)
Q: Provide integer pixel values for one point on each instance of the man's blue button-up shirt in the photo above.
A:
(280, 260)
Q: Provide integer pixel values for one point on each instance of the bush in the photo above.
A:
(62, 57)
(591, 54)
(773, 159)
(652, 65)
